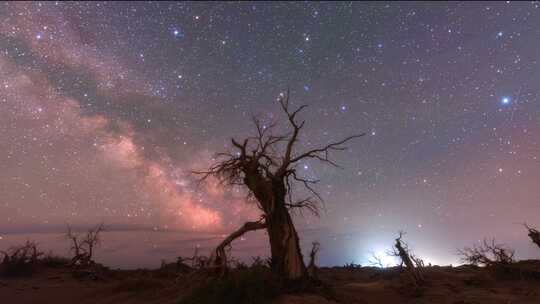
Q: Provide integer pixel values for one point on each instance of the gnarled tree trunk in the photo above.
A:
(287, 260)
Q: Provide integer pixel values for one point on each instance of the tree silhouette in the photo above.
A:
(83, 246)
(266, 164)
(533, 234)
(414, 265)
(488, 253)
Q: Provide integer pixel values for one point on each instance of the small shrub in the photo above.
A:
(241, 266)
(253, 286)
(20, 260)
(352, 266)
(488, 253)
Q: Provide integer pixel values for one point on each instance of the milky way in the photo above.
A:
(107, 107)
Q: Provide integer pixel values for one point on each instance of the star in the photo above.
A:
(177, 33)
(505, 100)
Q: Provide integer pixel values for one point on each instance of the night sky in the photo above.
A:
(106, 107)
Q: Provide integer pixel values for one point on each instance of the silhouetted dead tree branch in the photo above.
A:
(488, 253)
(413, 265)
(83, 246)
(376, 260)
(533, 234)
(198, 263)
(266, 164)
(219, 256)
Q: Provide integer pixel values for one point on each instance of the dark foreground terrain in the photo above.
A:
(518, 283)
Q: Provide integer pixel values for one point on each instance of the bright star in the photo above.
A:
(505, 100)
(177, 33)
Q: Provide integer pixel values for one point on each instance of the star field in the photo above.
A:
(107, 106)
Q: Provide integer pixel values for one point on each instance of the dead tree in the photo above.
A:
(376, 260)
(83, 246)
(312, 267)
(533, 234)
(414, 265)
(488, 253)
(266, 164)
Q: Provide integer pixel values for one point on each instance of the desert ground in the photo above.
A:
(518, 283)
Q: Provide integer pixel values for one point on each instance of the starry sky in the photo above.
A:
(106, 107)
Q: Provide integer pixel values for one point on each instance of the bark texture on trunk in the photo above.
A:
(287, 260)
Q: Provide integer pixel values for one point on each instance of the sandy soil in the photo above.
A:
(461, 285)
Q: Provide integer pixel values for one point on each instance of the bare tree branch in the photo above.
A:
(376, 260)
(218, 259)
(533, 234)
